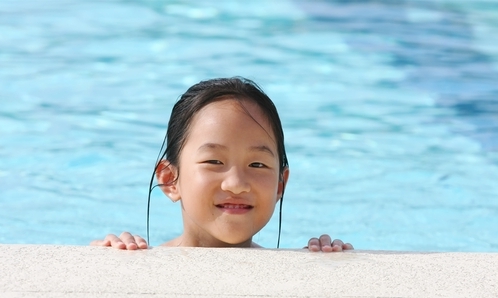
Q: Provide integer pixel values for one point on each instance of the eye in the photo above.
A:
(257, 165)
(213, 162)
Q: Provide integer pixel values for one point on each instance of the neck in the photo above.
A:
(186, 240)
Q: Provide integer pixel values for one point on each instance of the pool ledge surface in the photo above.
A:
(83, 271)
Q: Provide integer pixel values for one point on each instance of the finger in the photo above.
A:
(141, 243)
(337, 245)
(347, 246)
(115, 241)
(325, 243)
(314, 244)
(100, 243)
(128, 240)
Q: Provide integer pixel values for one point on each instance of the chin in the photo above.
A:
(230, 241)
(236, 236)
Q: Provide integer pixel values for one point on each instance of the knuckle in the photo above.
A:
(110, 237)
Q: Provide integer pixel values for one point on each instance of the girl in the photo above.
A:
(225, 162)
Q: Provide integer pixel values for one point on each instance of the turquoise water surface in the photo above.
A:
(390, 110)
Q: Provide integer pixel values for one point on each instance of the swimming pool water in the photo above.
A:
(390, 110)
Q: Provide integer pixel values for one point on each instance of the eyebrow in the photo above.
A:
(215, 146)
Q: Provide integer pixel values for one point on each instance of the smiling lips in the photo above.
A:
(234, 208)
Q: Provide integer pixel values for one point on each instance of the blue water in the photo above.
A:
(390, 110)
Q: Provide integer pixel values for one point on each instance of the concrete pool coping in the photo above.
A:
(84, 271)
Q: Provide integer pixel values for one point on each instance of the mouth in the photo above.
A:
(234, 206)
(234, 209)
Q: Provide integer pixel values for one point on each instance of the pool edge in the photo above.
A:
(83, 271)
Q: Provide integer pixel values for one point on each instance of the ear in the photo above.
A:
(282, 182)
(166, 175)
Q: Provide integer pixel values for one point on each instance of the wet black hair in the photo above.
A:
(202, 94)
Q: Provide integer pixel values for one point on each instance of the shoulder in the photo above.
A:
(255, 245)
(172, 243)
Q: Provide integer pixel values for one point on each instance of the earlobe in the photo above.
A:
(166, 175)
(282, 182)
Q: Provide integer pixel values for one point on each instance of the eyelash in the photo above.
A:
(254, 164)
(260, 164)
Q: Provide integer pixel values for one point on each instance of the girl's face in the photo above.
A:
(229, 179)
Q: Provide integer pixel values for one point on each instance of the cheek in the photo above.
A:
(198, 183)
(268, 184)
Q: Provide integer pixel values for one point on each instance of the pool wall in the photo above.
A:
(79, 271)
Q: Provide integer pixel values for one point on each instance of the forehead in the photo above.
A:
(232, 115)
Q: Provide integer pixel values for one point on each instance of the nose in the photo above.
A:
(235, 181)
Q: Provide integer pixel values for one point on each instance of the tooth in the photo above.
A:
(229, 206)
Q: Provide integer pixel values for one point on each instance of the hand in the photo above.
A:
(325, 244)
(124, 241)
